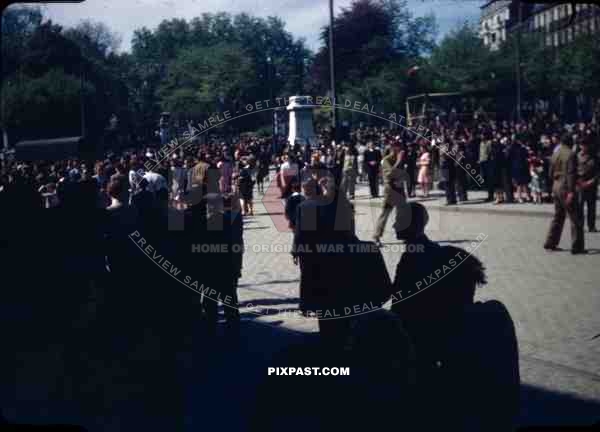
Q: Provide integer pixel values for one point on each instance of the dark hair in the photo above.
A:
(566, 138)
(412, 221)
(115, 189)
(466, 274)
(310, 184)
(457, 275)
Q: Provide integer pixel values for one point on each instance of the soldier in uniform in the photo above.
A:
(587, 183)
(563, 172)
(349, 173)
(394, 196)
(461, 174)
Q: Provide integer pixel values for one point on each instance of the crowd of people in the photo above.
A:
(509, 160)
(83, 242)
(72, 221)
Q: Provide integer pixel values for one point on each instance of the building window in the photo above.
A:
(556, 39)
(493, 38)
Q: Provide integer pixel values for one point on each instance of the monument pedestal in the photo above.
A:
(301, 127)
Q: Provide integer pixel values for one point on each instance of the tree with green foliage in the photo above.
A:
(217, 62)
(46, 54)
(375, 43)
(462, 62)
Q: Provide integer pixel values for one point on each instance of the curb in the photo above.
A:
(507, 212)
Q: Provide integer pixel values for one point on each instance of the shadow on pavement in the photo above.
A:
(540, 407)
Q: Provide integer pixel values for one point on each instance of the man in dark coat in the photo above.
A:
(335, 266)
(448, 167)
(220, 245)
(372, 159)
(587, 182)
(411, 169)
(486, 164)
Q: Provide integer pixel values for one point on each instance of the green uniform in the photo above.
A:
(587, 172)
(349, 173)
(563, 173)
(394, 196)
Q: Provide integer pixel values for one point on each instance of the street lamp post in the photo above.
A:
(270, 77)
(331, 69)
(518, 59)
(82, 98)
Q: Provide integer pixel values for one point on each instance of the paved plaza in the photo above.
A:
(553, 297)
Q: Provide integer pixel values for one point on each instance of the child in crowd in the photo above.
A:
(536, 171)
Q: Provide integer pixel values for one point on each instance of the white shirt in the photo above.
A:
(134, 179)
(361, 153)
(156, 182)
(289, 169)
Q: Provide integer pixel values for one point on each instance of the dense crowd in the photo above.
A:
(508, 159)
(80, 225)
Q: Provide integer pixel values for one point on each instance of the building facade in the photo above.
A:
(551, 20)
(493, 22)
(554, 22)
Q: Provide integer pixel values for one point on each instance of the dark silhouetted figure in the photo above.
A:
(219, 252)
(372, 161)
(335, 266)
(460, 343)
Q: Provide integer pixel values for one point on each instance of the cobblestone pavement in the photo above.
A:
(554, 298)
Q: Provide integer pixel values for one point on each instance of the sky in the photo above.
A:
(303, 18)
